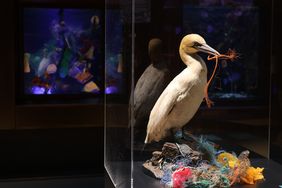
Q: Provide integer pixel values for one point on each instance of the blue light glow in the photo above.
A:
(36, 90)
(111, 90)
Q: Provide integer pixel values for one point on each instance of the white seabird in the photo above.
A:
(181, 99)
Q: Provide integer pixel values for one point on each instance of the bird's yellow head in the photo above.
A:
(194, 43)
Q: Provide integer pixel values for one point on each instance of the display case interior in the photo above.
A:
(60, 52)
(61, 57)
(233, 43)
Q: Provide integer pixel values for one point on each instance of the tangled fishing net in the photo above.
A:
(182, 169)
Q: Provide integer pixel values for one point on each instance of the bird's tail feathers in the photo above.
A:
(146, 139)
(143, 148)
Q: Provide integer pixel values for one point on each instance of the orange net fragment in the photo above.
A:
(230, 55)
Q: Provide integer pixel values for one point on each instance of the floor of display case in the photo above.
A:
(233, 141)
(272, 174)
(51, 182)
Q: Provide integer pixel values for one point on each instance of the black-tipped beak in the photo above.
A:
(207, 49)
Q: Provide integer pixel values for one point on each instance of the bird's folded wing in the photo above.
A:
(172, 95)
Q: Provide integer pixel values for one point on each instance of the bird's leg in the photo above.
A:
(180, 136)
(177, 134)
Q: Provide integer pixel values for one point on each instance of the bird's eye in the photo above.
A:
(196, 44)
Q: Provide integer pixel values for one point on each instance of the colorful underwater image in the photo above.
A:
(63, 51)
(233, 26)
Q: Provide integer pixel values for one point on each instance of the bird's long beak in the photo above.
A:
(207, 49)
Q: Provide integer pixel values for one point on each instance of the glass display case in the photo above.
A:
(168, 101)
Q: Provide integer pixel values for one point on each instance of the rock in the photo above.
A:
(157, 158)
(154, 170)
(186, 151)
(170, 150)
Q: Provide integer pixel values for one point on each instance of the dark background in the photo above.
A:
(38, 140)
(276, 87)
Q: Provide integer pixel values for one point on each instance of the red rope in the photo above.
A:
(231, 55)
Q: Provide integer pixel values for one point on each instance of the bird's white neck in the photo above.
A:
(194, 62)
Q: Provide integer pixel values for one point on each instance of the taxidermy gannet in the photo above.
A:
(181, 99)
(149, 87)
